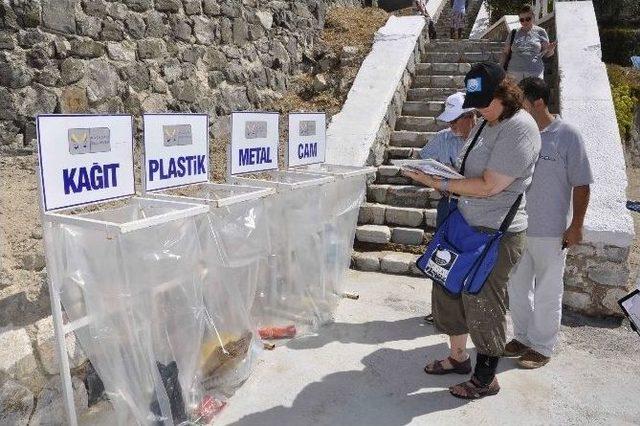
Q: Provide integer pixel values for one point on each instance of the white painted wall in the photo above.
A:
(353, 130)
(586, 102)
(481, 24)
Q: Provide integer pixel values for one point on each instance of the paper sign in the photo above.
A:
(84, 159)
(307, 136)
(176, 150)
(254, 142)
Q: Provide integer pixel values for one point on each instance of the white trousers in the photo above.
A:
(535, 294)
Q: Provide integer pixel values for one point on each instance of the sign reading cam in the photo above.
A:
(176, 150)
(307, 135)
(84, 159)
(254, 142)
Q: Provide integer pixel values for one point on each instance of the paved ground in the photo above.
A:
(366, 369)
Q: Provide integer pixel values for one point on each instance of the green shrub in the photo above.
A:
(625, 88)
(619, 45)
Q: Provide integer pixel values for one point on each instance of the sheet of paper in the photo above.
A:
(429, 167)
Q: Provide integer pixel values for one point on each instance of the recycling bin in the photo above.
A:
(234, 236)
(345, 196)
(129, 275)
(291, 304)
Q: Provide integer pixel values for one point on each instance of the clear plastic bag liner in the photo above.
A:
(142, 293)
(293, 302)
(235, 241)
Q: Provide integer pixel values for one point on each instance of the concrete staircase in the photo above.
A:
(443, 25)
(398, 218)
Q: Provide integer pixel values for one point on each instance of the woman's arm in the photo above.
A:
(489, 184)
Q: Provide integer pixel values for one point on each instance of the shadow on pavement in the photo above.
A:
(390, 390)
(371, 333)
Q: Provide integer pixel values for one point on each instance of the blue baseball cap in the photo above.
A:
(481, 83)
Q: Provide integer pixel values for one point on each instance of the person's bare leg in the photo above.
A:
(453, 33)
(458, 351)
(460, 33)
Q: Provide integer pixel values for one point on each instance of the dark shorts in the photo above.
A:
(483, 315)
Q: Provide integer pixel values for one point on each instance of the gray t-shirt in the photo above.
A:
(511, 148)
(459, 6)
(562, 165)
(526, 50)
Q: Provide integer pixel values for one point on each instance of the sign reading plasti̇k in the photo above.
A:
(307, 136)
(254, 142)
(176, 150)
(84, 159)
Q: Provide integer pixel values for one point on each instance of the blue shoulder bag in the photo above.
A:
(460, 257)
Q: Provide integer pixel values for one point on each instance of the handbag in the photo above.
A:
(506, 62)
(459, 257)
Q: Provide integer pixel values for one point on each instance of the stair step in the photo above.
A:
(402, 153)
(404, 138)
(382, 234)
(419, 124)
(472, 57)
(431, 93)
(464, 46)
(423, 109)
(442, 68)
(403, 195)
(384, 214)
(465, 43)
(456, 81)
(390, 262)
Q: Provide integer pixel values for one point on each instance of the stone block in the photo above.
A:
(610, 300)
(16, 354)
(373, 234)
(615, 254)
(397, 263)
(430, 216)
(124, 51)
(577, 301)
(151, 48)
(168, 5)
(156, 26)
(59, 15)
(35, 100)
(377, 193)
(203, 30)
(609, 274)
(103, 81)
(72, 70)
(16, 404)
(33, 262)
(265, 18)
(192, 7)
(404, 216)
(87, 49)
(367, 261)
(388, 170)
(74, 100)
(139, 5)
(211, 7)
(89, 26)
(407, 236)
(371, 214)
(47, 348)
(50, 406)
(136, 26)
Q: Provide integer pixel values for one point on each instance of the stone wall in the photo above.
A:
(134, 56)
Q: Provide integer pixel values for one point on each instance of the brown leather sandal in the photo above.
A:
(474, 390)
(463, 367)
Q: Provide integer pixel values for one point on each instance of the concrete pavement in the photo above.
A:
(366, 369)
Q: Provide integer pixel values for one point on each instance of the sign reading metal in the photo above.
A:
(307, 139)
(84, 158)
(254, 142)
(176, 150)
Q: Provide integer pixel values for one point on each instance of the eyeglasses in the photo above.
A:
(527, 19)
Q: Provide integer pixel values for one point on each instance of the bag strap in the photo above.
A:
(513, 36)
(471, 145)
(506, 223)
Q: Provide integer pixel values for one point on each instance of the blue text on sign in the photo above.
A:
(251, 156)
(190, 165)
(78, 179)
(307, 150)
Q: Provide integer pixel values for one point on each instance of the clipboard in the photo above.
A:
(630, 305)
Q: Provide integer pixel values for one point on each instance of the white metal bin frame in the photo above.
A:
(110, 228)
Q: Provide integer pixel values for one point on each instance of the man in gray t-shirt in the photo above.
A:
(562, 176)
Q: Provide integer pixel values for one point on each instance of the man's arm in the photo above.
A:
(573, 234)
